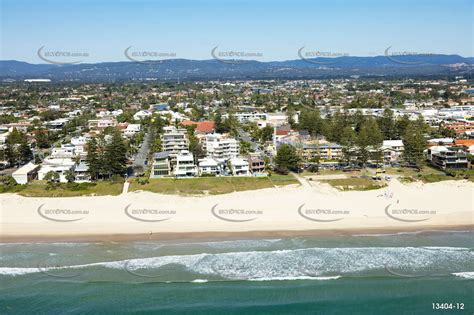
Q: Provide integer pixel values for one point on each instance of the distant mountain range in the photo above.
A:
(184, 69)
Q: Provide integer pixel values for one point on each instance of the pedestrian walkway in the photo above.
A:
(303, 182)
(126, 184)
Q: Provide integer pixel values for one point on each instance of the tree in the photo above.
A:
(70, 176)
(402, 125)
(335, 127)
(314, 166)
(245, 147)
(311, 120)
(266, 133)
(220, 126)
(51, 177)
(348, 140)
(115, 157)
(194, 145)
(369, 141)
(17, 150)
(42, 139)
(286, 159)
(387, 125)
(414, 144)
(92, 159)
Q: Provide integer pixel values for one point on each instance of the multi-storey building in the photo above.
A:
(185, 166)
(220, 147)
(449, 158)
(161, 165)
(174, 140)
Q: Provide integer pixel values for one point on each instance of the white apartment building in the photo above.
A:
(174, 140)
(185, 166)
(220, 147)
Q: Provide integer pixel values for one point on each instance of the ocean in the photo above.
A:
(404, 273)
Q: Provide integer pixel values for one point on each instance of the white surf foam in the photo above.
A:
(310, 263)
(467, 274)
(295, 278)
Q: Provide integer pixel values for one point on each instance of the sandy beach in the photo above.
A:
(292, 210)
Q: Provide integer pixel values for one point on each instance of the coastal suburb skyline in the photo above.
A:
(102, 31)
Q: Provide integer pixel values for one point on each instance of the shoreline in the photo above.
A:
(315, 210)
(219, 235)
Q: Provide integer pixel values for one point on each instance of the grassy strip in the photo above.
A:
(43, 189)
(347, 184)
(211, 185)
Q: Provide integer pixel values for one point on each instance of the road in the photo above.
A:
(140, 157)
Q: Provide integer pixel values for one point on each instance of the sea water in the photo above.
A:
(403, 273)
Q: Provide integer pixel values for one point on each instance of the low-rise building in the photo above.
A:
(448, 158)
(211, 166)
(202, 127)
(256, 164)
(81, 173)
(392, 151)
(101, 123)
(239, 167)
(185, 166)
(26, 173)
(132, 129)
(142, 114)
(161, 165)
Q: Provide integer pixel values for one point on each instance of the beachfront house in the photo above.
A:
(26, 173)
(448, 158)
(185, 166)
(161, 165)
(81, 173)
(256, 164)
(211, 166)
(239, 167)
(392, 151)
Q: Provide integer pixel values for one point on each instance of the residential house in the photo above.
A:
(96, 124)
(392, 151)
(202, 127)
(239, 167)
(185, 166)
(256, 164)
(447, 158)
(142, 114)
(161, 165)
(26, 173)
(211, 166)
(81, 173)
(132, 129)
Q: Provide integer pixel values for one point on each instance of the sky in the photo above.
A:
(101, 30)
